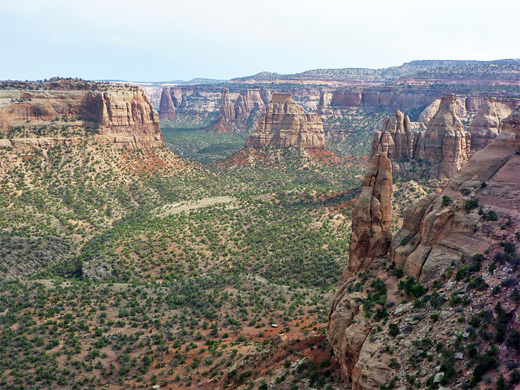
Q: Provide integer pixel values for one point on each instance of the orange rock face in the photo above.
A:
(246, 103)
(166, 106)
(284, 124)
(438, 231)
(118, 114)
(234, 116)
(226, 116)
(476, 213)
(444, 143)
(395, 139)
(372, 216)
(485, 126)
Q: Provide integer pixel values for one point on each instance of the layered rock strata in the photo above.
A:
(444, 143)
(226, 115)
(395, 138)
(284, 124)
(471, 219)
(235, 116)
(248, 101)
(372, 216)
(486, 124)
(166, 106)
(117, 115)
(439, 231)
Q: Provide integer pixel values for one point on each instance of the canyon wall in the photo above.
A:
(116, 114)
(486, 124)
(371, 216)
(284, 124)
(444, 143)
(395, 138)
(461, 231)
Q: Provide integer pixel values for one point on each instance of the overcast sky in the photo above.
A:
(160, 40)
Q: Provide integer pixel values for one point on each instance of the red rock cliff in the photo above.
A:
(109, 113)
(485, 126)
(284, 123)
(395, 138)
(372, 216)
(444, 143)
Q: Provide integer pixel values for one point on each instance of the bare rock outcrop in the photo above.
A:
(226, 115)
(236, 116)
(477, 214)
(445, 144)
(323, 106)
(227, 109)
(349, 327)
(284, 124)
(128, 116)
(166, 106)
(248, 101)
(395, 138)
(438, 231)
(486, 124)
(266, 96)
(372, 216)
(348, 333)
(106, 113)
(429, 112)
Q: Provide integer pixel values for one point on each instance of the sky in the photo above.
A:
(161, 40)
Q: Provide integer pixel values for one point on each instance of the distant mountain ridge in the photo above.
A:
(504, 68)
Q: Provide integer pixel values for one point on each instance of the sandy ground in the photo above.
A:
(177, 208)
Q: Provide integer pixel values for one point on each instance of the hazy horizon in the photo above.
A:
(162, 41)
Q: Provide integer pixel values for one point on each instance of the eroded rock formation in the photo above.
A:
(460, 107)
(284, 124)
(226, 116)
(166, 106)
(485, 126)
(439, 231)
(395, 139)
(444, 143)
(323, 106)
(247, 101)
(236, 116)
(372, 216)
(461, 231)
(121, 115)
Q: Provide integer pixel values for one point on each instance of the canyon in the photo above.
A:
(287, 262)
(122, 116)
(439, 234)
(284, 124)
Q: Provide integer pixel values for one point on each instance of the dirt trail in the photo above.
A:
(177, 208)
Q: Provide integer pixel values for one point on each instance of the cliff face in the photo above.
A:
(460, 108)
(246, 103)
(235, 116)
(485, 126)
(166, 106)
(226, 117)
(285, 124)
(119, 115)
(372, 216)
(458, 246)
(444, 143)
(395, 139)
(441, 230)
